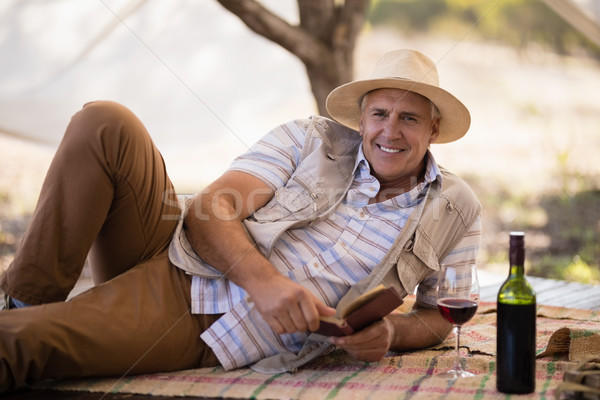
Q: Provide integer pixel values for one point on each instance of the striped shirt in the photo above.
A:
(327, 257)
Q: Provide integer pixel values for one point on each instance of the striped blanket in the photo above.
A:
(565, 336)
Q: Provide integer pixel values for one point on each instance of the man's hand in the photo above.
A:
(418, 329)
(371, 343)
(286, 306)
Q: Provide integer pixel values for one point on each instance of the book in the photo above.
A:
(361, 312)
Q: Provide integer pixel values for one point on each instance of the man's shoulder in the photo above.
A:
(458, 189)
(325, 133)
(325, 127)
(453, 181)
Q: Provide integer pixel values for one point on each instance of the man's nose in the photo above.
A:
(393, 127)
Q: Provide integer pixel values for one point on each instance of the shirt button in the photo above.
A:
(372, 189)
(361, 215)
(316, 265)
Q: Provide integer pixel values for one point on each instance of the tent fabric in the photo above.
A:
(583, 16)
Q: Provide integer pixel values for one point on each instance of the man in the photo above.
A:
(314, 214)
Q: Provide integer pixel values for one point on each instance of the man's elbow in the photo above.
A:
(195, 214)
(436, 329)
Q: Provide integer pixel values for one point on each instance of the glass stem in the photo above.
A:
(457, 365)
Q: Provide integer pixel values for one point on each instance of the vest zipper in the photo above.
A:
(312, 194)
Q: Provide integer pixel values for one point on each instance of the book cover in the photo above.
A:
(361, 312)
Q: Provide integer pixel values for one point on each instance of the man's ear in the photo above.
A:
(435, 131)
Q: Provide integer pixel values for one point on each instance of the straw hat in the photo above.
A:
(408, 70)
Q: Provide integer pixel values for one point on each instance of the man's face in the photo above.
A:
(397, 128)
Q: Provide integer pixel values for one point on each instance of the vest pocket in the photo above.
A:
(300, 199)
(289, 203)
(417, 260)
(293, 199)
(424, 250)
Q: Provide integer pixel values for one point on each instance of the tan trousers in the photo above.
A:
(107, 198)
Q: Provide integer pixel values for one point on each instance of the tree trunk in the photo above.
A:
(324, 40)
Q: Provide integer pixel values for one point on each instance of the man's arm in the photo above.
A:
(421, 328)
(215, 230)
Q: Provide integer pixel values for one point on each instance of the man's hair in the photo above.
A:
(435, 112)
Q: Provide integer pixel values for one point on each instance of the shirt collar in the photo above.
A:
(360, 158)
(432, 169)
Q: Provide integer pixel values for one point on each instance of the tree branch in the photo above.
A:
(324, 40)
(317, 17)
(350, 22)
(262, 21)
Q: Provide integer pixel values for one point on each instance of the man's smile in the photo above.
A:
(389, 149)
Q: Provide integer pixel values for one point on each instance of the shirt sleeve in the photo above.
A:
(465, 252)
(275, 156)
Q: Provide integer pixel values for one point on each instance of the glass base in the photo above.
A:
(454, 374)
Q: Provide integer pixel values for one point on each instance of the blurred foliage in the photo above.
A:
(573, 225)
(580, 271)
(519, 23)
(562, 227)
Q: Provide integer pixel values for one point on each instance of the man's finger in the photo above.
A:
(324, 309)
(276, 324)
(312, 310)
(298, 318)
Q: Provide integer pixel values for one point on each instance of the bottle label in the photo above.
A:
(516, 334)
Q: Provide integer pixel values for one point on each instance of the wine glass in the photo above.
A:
(457, 301)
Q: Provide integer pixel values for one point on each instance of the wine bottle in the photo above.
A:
(516, 325)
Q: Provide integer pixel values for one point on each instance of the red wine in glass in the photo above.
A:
(457, 300)
(457, 311)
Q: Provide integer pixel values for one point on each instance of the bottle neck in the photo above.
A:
(517, 271)
(517, 261)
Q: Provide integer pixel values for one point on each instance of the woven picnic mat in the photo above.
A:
(562, 334)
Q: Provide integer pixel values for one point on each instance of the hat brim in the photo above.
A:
(343, 104)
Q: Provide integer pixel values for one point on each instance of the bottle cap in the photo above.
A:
(517, 238)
